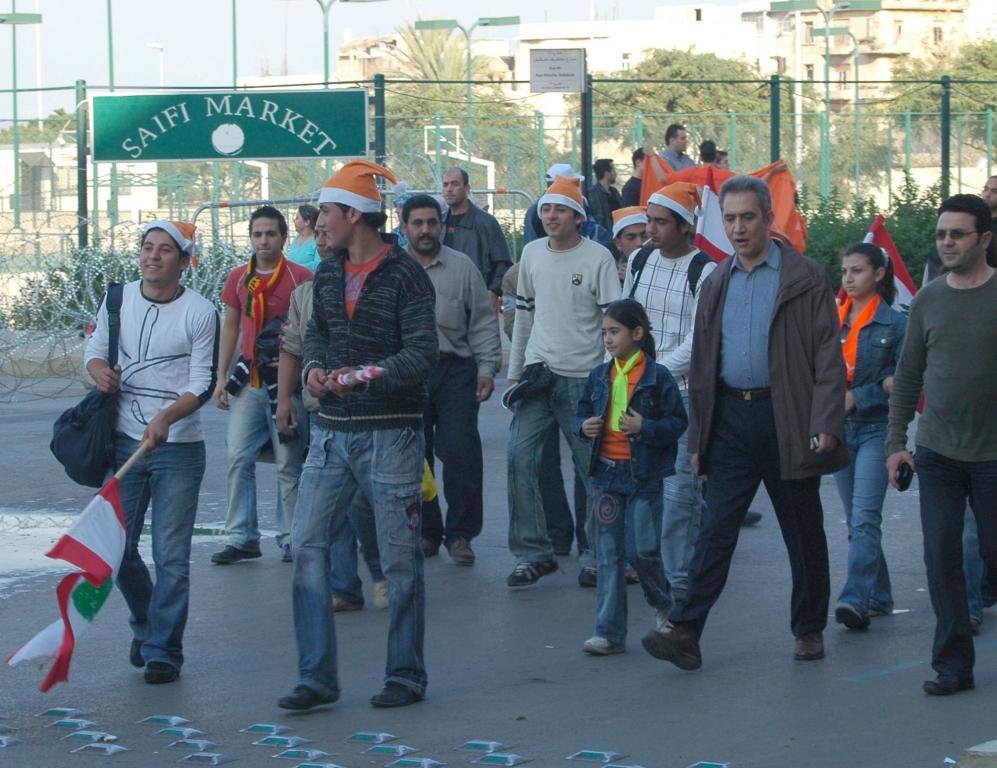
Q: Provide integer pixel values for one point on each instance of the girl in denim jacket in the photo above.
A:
(872, 336)
(632, 411)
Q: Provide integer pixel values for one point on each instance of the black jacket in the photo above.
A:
(393, 326)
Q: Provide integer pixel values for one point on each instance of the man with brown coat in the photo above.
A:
(766, 405)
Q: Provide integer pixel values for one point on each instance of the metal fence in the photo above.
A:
(420, 132)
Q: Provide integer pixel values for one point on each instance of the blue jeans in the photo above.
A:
(345, 531)
(386, 467)
(250, 428)
(972, 566)
(862, 488)
(170, 478)
(684, 507)
(528, 537)
(945, 485)
(628, 530)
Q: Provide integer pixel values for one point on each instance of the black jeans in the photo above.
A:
(944, 485)
(451, 424)
(561, 527)
(743, 452)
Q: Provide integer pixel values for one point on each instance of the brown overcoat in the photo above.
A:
(806, 368)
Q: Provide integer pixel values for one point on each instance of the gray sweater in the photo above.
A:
(950, 352)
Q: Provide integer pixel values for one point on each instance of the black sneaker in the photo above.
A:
(158, 672)
(135, 654)
(286, 556)
(395, 695)
(850, 616)
(232, 554)
(587, 576)
(304, 697)
(525, 574)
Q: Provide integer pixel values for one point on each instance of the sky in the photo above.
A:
(197, 37)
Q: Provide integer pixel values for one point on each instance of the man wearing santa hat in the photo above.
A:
(373, 305)
(165, 371)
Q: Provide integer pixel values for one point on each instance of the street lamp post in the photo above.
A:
(162, 57)
(782, 6)
(326, 6)
(13, 18)
(484, 21)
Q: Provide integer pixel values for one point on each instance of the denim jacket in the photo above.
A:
(656, 398)
(879, 348)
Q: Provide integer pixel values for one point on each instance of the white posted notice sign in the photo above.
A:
(557, 70)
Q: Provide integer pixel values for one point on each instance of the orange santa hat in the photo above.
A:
(680, 197)
(181, 231)
(565, 190)
(354, 185)
(624, 217)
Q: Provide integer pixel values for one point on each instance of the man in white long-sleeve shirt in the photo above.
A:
(666, 282)
(565, 282)
(167, 359)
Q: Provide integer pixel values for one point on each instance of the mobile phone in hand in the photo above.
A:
(904, 476)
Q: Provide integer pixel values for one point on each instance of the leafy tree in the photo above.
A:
(51, 127)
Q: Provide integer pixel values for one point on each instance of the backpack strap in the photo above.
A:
(637, 267)
(115, 291)
(699, 261)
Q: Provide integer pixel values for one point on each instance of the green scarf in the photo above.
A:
(619, 396)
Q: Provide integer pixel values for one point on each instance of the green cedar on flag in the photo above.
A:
(95, 543)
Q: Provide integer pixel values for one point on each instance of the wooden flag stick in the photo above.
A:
(142, 448)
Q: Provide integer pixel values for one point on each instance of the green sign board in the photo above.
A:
(230, 125)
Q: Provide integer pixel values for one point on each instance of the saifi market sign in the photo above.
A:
(230, 125)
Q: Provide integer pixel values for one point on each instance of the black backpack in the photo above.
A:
(699, 261)
(83, 436)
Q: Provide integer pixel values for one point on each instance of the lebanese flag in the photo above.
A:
(711, 236)
(95, 543)
(878, 235)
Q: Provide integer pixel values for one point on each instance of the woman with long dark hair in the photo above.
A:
(872, 335)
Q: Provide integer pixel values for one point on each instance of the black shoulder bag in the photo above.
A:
(83, 436)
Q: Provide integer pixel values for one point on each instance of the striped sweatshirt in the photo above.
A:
(393, 326)
(560, 298)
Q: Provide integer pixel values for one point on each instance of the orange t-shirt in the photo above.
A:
(354, 276)
(615, 445)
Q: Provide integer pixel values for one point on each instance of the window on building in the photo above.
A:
(626, 61)
(898, 31)
(810, 72)
(842, 78)
(808, 32)
(937, 35)
(699, 14)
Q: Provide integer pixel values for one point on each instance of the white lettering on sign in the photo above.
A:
(246, 108)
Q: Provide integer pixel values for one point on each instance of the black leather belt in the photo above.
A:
(747, 394)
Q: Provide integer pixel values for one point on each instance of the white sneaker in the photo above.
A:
(600, 646)
(381, 594)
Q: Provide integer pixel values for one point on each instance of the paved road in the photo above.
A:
(503, 665)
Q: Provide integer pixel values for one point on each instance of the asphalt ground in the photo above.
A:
(503, 665)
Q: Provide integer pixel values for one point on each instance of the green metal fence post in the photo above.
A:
(946, 137)
(907, 142)
(775, 151)
(216, 196)
(825, 154)
(16, 129)
(82, 214)
(958, 150)
(541, 149)
(889, 160)
(640, 129)
(380, 121)
(732, 139)
(586, 162)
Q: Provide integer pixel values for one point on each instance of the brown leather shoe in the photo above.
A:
(809, 647)
(675, 644)
(460, 551)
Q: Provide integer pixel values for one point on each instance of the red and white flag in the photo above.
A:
(711, 236)
(95, 543)
(879, 236)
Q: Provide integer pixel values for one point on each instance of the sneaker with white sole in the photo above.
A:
(600, 646)
(525, 574)
(381, 594)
